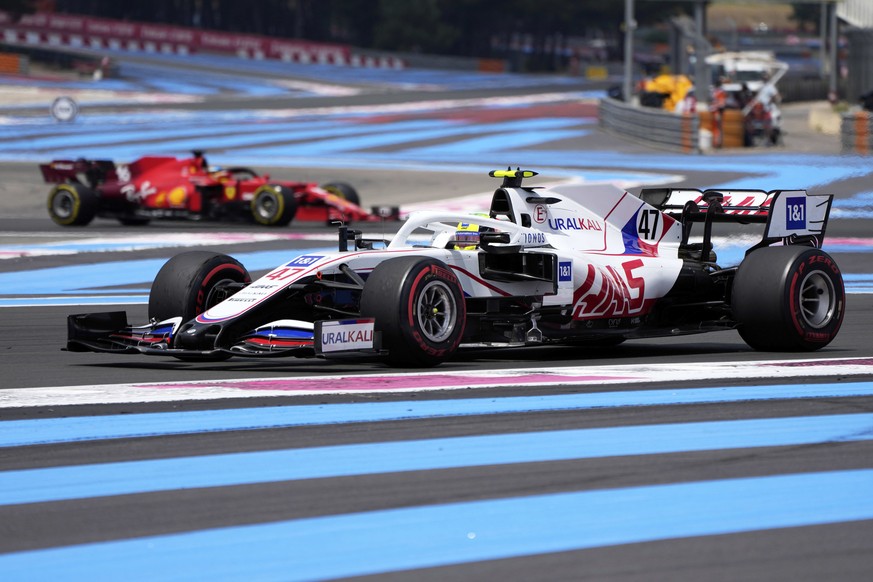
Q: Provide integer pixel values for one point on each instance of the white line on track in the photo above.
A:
(592, 376)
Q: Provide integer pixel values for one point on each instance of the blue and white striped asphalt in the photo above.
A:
(423, 536)
(376, 542)
(17, 433)
(340, 140)
(215, 74)
(230, 469)
(93, 284)
(453, 533)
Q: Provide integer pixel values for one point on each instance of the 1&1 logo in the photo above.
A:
(795, 213)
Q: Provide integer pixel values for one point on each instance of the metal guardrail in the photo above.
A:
(654, 127)
(856, 132)
(803, 89)
(60, 58)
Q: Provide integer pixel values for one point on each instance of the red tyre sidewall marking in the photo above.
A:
(794, 298)
(794, 301)
(432, 270)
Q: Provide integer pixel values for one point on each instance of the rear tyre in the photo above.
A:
(192, 282)
(273, 205)
(345, 191)
(72, 204)
(418, 305)
(788, 298)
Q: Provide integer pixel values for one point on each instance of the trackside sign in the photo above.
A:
(344, 335)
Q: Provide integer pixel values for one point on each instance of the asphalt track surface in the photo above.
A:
(682, 459)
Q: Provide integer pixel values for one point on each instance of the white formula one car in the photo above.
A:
(546, 266)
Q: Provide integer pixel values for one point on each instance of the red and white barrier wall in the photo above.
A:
(71, 31)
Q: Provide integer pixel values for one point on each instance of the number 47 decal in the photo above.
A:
(647, 227)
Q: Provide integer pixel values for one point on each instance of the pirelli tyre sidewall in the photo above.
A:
(419, 308)
(72, 204)
(788, 298)
(273, 205)
(186, 283)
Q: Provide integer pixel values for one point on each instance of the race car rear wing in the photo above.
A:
(732, 202)
(791, 216)
(89, 172)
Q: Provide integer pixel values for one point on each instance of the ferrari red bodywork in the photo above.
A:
(166, 187)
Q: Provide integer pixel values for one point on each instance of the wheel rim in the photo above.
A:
(436, 311)
(817, 300)
(215, 297)
(266, 205)
(63, 204)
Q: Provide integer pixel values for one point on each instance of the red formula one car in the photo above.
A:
(187, 188)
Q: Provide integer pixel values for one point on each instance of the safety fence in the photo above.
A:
(651, 126)
(856, 132)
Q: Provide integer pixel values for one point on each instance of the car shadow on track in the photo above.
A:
(465, 360)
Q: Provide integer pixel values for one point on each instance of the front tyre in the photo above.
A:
(788, 298)
(419, 308)
(345, 191)
(192, 282)
(72, 204)
(273, 205)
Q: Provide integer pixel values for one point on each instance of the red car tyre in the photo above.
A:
(788, 298)
(345, 191)
(273, 205)
(72, 204)
(192, 282)
(419, 308)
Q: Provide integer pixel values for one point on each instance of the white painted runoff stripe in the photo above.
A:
(390, 540)
(428, 381)
(16, 433)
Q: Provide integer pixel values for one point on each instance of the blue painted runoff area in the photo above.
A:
(62, 301)
(188, 137)
(224, 470)
(16, 433)
(99, 276)
(392, 540)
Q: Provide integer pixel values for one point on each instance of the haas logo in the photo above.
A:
(608, 292)
(540, 214)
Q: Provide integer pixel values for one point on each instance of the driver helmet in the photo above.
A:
(466, 236)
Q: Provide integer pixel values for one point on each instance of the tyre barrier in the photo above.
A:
(680, 132)
(15, 64)
(856, 132)
(732, 127)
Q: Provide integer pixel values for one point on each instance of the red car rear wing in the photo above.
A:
(83, 171)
